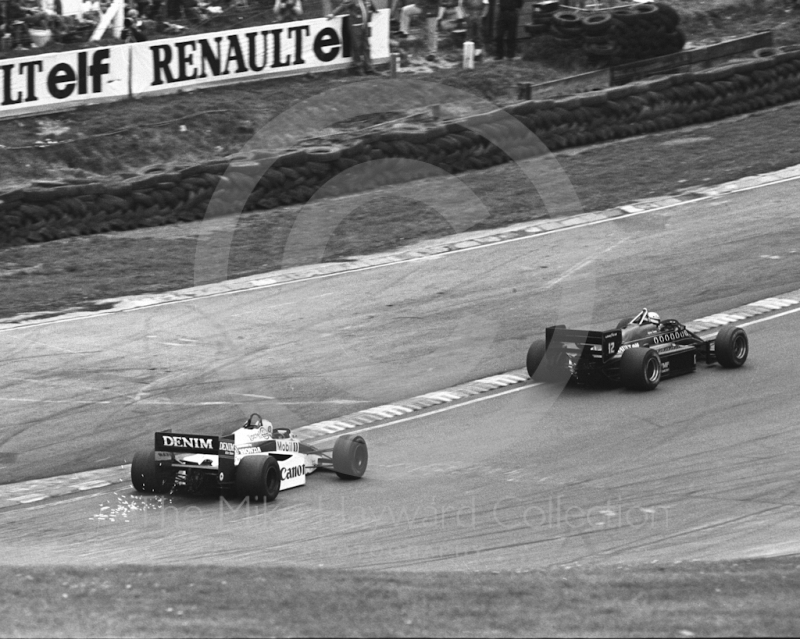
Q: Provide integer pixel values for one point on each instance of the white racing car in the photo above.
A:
(256, 461)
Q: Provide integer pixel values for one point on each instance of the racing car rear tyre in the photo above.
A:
(258, 476)
(146, 476)
(623, 323)
(535, 357)
(731, 346)
(640, 369)
(350, 456)
(551, 368)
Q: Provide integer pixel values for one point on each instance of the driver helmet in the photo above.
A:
(254, 421)
(652, 317)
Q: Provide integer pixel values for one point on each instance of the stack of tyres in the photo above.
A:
(567, 27)
(596, 36)
(623, 34)
(542, 16)
(644, 31)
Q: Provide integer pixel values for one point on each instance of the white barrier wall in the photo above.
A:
(54, 82)
(275, 50)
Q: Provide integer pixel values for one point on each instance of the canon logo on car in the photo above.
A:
(177, 441)
(292, 472)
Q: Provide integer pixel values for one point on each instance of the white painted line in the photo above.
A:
(443, 396)
(771, 317)
(89, 485)
(440, 410)
(27, 499)
(63, 501)
(390, 410)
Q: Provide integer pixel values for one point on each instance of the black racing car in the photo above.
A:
(638, 354)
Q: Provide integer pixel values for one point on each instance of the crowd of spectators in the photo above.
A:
(491, 27)
(483, 22)
(74, 21)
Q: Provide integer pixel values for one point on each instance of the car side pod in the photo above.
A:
(640, 369)
(350, 457)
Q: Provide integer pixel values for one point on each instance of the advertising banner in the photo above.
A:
(56, 81)
(257, 53)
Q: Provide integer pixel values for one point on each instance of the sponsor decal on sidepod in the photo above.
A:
(669, 337)
(283, 446)
(625, 347)
(293, 471)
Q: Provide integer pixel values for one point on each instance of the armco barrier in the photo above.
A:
(165, 196)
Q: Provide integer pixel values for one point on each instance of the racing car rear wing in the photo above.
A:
(600, 345)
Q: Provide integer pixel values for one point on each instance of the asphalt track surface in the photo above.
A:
(702, 468)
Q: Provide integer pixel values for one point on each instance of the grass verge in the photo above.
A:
(753, 597)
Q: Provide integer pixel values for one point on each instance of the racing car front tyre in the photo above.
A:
(640, 369)
(146, 476)
(350, 456)
(731, 346)
(258, 476)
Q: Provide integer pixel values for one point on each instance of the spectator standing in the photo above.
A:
(174, 9)
(359, 14)
(474, 13)
(132, 32)
(16, 26)
(433, 12)
(288, 10)
(507, 21)
(395, 7)
(150, 9)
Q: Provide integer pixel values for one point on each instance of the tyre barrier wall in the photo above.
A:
(168, 195)
(620, 35)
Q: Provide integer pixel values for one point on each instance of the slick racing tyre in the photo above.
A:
(147, 476)
(731, 346)
(350, 456)
(547, 367)
(535, 357)
(623, 323)
(258, 476)
(640, 369)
